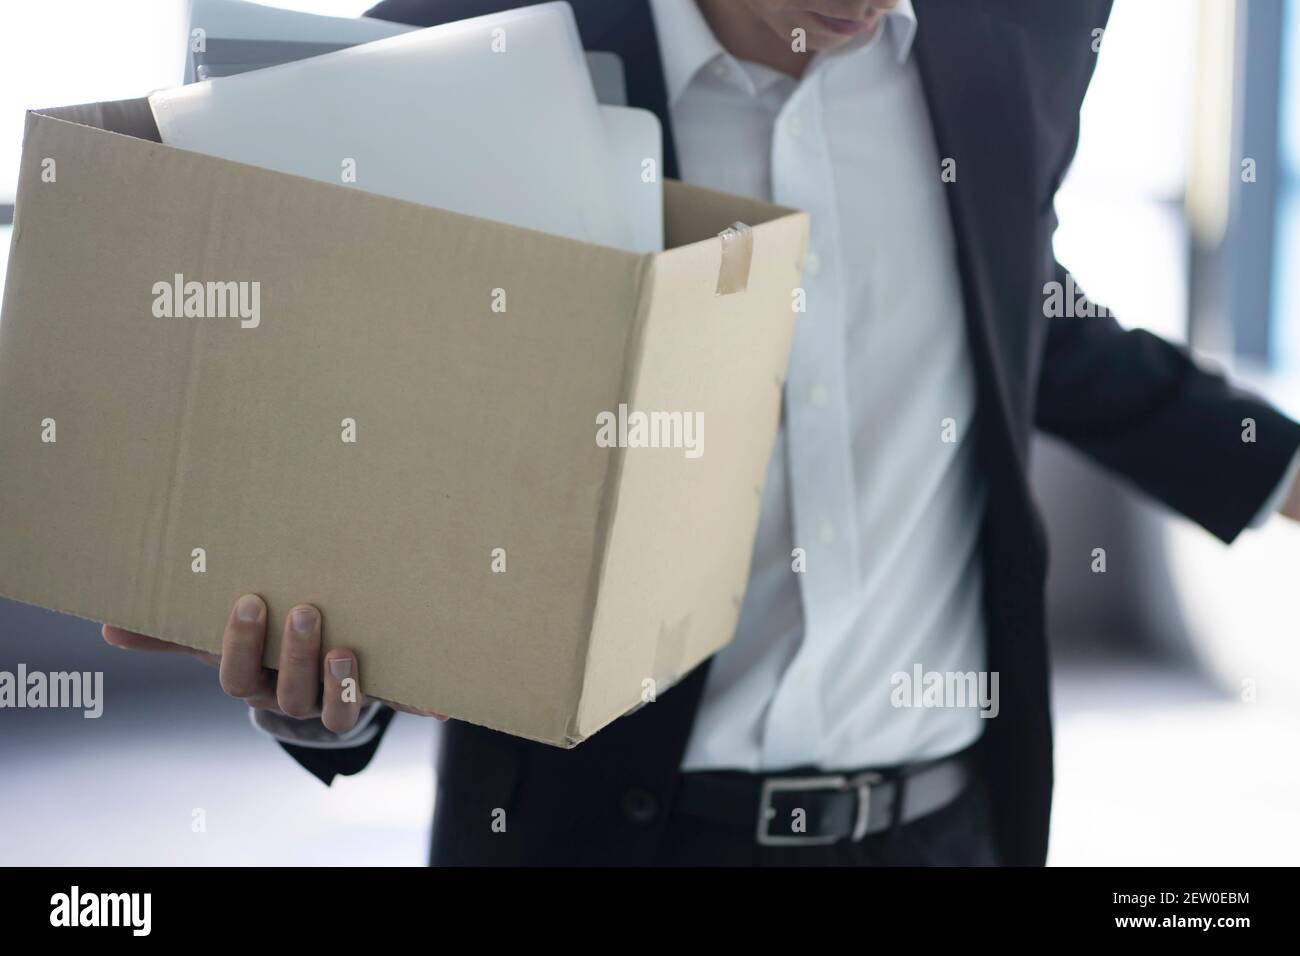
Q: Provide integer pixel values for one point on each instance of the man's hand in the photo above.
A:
(300, 688)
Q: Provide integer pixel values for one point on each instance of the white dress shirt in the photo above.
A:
(861, 479)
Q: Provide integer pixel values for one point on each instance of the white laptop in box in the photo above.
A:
(635, 161)
(493, 116)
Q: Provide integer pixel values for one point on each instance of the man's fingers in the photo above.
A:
(299, 686)
(302, 688)
(266, 700)
(131, 641)
(242, 645)
(341, 699)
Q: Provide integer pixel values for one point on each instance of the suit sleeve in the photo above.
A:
(1143, 408)
(325, 763)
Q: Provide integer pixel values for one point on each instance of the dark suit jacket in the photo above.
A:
(1004, 80)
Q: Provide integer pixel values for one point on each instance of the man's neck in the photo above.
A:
(746, 37)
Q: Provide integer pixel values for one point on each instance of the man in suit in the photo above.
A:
(927, 139)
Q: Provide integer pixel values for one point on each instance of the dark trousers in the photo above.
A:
(547, 829)
(959, 834)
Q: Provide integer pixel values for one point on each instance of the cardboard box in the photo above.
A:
(475, 362)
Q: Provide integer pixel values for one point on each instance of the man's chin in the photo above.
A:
(828, 33)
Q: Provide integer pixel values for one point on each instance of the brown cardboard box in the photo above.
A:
(474, 429)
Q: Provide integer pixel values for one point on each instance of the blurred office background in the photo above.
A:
(1177, 685)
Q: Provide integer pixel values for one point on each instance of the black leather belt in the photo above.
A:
(802, 809)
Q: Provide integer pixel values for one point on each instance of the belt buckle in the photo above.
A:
(862, 783)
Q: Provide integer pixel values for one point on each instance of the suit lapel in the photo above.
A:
(972, 69)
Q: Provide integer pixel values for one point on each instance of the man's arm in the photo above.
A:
(1141, 407)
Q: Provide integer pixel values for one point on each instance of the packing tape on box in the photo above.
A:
(670, 652)
(737, 254)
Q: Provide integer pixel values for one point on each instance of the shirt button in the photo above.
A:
(813, 264)
(819, 396)
(640, 806)
(719, 68)
(827, 532)
(793, 125)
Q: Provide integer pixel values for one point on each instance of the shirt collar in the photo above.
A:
(687, 43)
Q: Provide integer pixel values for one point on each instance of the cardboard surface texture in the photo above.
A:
(474, 428)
